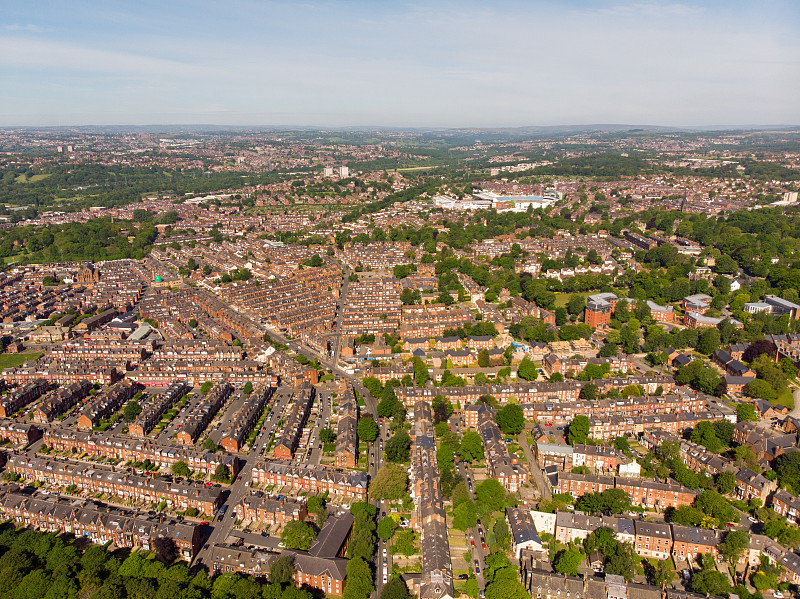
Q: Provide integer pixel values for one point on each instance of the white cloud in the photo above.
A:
(27, 27)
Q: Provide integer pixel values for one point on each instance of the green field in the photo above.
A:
(563, 298)
(13, 360)
(34, 179)
(785, 399)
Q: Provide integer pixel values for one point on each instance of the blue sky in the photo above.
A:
(373, 63)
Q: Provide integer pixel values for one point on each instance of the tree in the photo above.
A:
(386, 528)
(367, 429)
(664, 573)
(181, 468)
(465, 515)
(220, 473)
(442, 408)
(507, 588)
(610, 501)
(710, 582)
(567, 562)
(281, 571)
(725, 481)
(132, 410)
(165, 549)
(298, 535)
(709, 341)
(326, 435)
(589, 391)
(578, 430)
(736, 541)
(483, 358)
(576, 304)
(395, 589)
(602, 539)
(622, 562)
(704, 434)
(398, 447)
(386, 407)
(471, 448)
(500, 530)
(491, 494)
(359, 580)
(760, 389)
(206, 387)
(390, 482)
(622, 444)
(421, 374)
(787, 466)
(698, 376)
(527, 370)
(511, 419)
(746, 412)
(373, 385)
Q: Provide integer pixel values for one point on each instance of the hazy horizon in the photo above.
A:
(406, 65)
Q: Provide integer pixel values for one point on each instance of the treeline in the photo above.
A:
(80, 186)
(35, 565)
(97, 239)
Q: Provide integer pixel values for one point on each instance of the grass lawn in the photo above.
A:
(785, 399)
(14, 360)
(563, 298)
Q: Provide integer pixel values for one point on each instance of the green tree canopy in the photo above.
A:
(578, 430)
(511, 419)
(367, 429)
(298, 535)
(390, 482)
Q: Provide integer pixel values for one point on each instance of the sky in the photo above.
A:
(394, 63)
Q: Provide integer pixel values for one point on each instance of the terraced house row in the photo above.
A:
(315, 479)
(16, 399)
(260, 507)
(248, 410)
(60, 400)
(64, 373)
(138, 450)
(643, 492)
(347, 432)
(565, 411)
(199, 413)
(118, 350)
(606, 428)
(462, 397)
(287, 442)
(105, 404)
(179, 494)
(162, 374)
(97, 522)
(501, 465)
(304, 301)
(656, 540)
(436, 578)
(153, 410)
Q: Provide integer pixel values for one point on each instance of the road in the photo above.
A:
(795, 413)
(241, 486)
(337, 321)
(475, 535)
(533, 466)
(222, 529)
